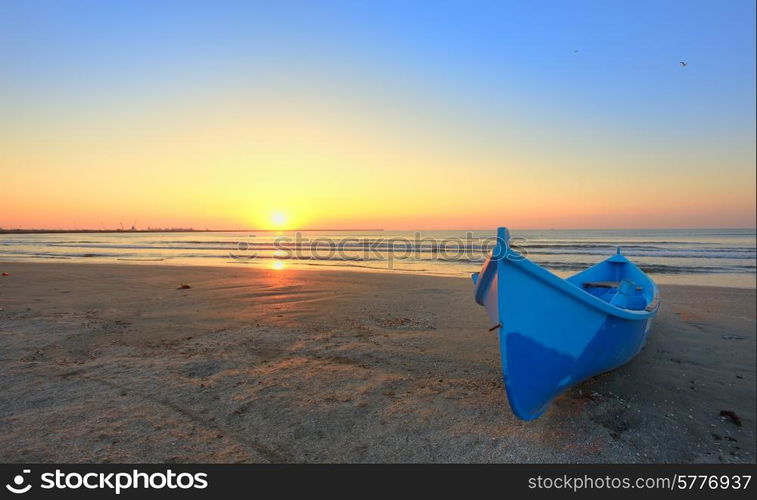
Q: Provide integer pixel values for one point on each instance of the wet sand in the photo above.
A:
(113, 363)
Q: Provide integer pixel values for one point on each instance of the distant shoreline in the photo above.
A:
(192, 230)
(169, 230)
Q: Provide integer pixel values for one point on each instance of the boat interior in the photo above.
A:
(616, 283)
(623, 294)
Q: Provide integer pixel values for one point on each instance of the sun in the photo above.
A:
(279, 220)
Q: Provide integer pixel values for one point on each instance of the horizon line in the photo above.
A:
(208, 230)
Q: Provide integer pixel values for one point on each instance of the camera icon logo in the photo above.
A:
(18, 481)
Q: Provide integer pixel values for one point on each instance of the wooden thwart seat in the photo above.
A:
(604, 284)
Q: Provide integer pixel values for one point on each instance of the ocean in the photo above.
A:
(716, 257)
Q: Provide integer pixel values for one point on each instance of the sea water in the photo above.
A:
(717, 257)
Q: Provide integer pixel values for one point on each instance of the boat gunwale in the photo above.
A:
(562, 284)
(500, 255)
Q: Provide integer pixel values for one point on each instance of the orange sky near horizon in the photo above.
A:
(324, 165)
(233, 163)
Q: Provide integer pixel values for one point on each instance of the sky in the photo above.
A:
(377, 114)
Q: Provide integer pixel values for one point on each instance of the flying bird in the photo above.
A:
(683, 63)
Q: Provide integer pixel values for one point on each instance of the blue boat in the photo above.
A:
(554, 332)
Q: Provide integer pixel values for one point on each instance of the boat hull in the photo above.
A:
(552, 333)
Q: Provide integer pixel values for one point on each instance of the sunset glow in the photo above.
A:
(279, 220)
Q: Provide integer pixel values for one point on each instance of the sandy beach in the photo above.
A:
(115, 363)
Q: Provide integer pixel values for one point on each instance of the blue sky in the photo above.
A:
(592, 86)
